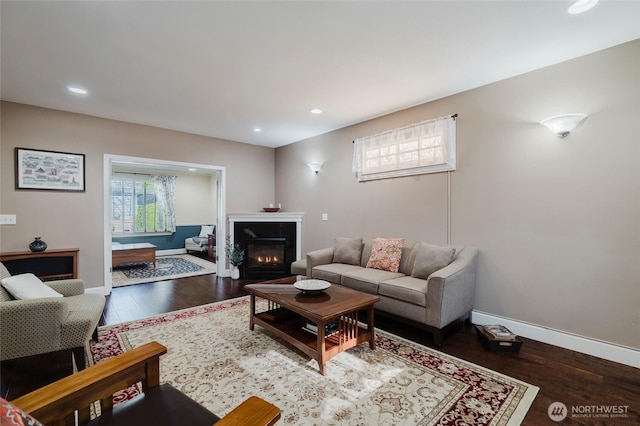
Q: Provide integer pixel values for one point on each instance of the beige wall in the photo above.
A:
(75, 219)
(196, 202)
(557, 221)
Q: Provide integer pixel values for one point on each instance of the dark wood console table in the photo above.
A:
(51, 264)
(211, 251)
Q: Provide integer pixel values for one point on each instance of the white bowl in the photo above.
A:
(312, 286)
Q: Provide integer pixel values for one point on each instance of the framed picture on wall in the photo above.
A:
(49, 170)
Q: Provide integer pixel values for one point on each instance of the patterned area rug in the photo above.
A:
(215, 359)
(167, 268)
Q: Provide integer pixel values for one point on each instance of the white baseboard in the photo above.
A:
(601, 349)
(171, 252)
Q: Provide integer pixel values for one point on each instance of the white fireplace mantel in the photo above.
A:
(270, 217)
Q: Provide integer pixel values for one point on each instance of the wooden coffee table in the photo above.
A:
(133, 253)
(288, 310)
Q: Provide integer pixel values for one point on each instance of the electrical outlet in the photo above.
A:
(7, 219)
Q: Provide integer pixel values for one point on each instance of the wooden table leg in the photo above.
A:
(322, 363)
(372, 336)
(252, 311)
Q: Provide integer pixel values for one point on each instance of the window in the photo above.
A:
(135, 206)
(426, 147)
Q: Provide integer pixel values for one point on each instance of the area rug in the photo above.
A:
(215, 359)
(167, 268)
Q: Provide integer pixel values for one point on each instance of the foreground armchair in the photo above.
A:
(35, 326)
(57, 403)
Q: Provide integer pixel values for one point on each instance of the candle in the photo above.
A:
(279, 205)
(270, 205)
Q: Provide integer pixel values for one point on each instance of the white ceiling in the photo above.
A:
(223, 68)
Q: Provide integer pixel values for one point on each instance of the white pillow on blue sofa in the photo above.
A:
(28, 286)
(205, 230)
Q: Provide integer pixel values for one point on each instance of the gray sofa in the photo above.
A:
(434, 284)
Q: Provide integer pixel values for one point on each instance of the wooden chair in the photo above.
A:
(57, 403)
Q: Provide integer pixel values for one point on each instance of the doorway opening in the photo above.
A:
(156, 166)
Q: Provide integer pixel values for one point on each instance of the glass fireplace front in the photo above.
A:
(265, 256)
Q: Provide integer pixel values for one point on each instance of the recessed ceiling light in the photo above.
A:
(257, 129)
(191, 169)
(316, 111)
(77, 90)
(581, 6)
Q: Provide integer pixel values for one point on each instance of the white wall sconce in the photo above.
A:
(581, 6)
(315, 166)
(562, 125)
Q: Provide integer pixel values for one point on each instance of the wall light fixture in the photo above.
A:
(581, 6)
(315, 166)
(562, 125)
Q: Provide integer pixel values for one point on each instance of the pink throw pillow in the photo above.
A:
(386, 254)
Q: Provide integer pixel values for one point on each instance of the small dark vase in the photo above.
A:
(37, 245)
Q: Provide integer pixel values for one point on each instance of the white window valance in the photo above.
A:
(426, 147)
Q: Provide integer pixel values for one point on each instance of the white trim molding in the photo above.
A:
(606, 350)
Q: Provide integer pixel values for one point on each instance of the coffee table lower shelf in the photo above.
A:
(320, 348)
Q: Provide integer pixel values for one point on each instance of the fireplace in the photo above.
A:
(270, 248)
(265, 256)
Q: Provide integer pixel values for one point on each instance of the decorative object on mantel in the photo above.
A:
(272, 209)
(235, 253)
(37, 245)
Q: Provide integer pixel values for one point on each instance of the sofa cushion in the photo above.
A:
(386, 254)
(28, 286)
(367, 279)
(430, 258)
(84, 311)
(347, 250)
(408, 289)
(332, 272)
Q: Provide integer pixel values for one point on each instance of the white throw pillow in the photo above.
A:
(28, 286)
(205, 230)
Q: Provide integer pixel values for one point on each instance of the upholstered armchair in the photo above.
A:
(40, 325)
(69, 398)
(204, 241)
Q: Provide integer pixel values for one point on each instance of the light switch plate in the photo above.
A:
(7, 219)
(325, 216)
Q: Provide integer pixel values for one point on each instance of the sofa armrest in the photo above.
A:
(72, 287)
(451, 290)
(318, 257)
(39, 334)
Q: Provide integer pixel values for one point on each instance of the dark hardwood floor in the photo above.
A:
(575, 379)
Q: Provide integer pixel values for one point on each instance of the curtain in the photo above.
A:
(166, 193)
(426, 147)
